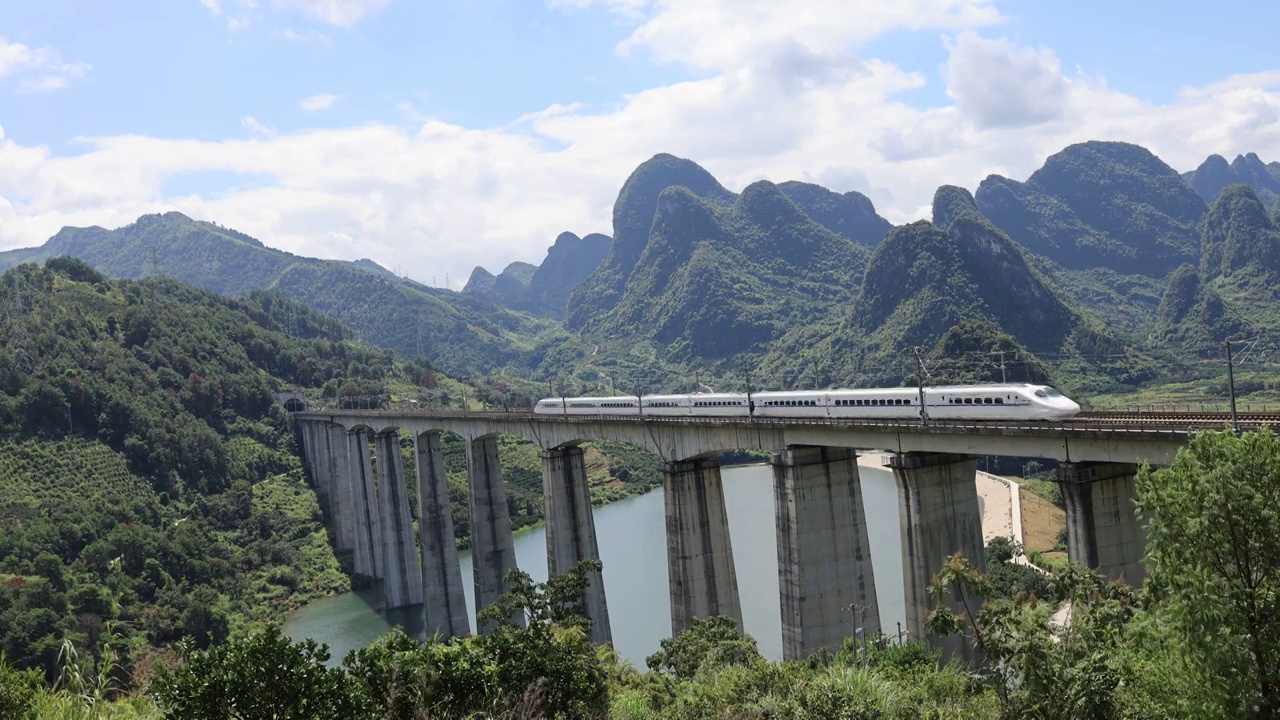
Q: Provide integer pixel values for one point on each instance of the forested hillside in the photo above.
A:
(1234, 291)
(462, 335)
(957, 286)
(147, 477)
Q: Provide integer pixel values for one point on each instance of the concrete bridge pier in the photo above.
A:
(316, 461)
(1103, 530)
(446, 606)
(699, 553)
(403, 580)
(825, 579)
(368, 526)
(493, 552)
(341, 500)
(571, 530)
(939, 516)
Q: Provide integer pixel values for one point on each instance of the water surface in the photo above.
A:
(632, 540)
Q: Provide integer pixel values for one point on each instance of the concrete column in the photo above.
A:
(403, 586)
(825, 577)
(367, 524)
(342, 500)
(699, 552)
(571, 530)
(940, 516)
(314, 458)
(1103, 531)
(446, 606)
(493, 553)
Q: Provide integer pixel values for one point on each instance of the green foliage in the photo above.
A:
(261, 677)
(18, 689)
(1038, 671)
(713, 640)
(1010, 579)
(1214, 548)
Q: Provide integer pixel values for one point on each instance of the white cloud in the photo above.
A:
(215, 6)
(37, 69)
(255, 127)
(323, 101)
(305, 36)
(725, 34)
(441, 198)
(342, 13)
(1000, 85)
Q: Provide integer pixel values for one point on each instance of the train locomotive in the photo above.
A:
(1009, 401)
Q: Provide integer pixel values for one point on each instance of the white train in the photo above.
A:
(955, 402)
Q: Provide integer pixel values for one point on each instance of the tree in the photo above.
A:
(17, 690)
(549, 668)
(714, 638)
(1213, 549)
(1042, 672)
(261, 677)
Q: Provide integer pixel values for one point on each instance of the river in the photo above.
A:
(632, 540)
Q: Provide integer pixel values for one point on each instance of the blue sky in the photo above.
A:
(421, 157)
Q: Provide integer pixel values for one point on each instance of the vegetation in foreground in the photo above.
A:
(1200, 640)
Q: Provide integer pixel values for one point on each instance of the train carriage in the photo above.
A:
(1007, 401)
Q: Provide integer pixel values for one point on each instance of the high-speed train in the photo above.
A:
(954, 402)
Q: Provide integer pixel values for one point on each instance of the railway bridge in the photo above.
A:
(824, 562)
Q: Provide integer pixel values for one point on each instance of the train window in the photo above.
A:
(986, 401)
(999, 401)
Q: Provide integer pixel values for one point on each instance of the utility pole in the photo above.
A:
(1231, 388)
(751, 405)
(924, 416)
(1003, 378)
(18, 330)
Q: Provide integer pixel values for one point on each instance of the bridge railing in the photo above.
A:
(1161, 425)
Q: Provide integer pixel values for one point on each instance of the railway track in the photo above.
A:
(1157, 417)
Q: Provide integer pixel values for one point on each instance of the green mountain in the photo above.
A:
(849, 215)
(962, 290)
(716, 280)
(504, 288)
(570, 260)
(461, 334)
(1236, 290)
(1214, 175)
(543, 289)
(633, 216)
(147, 475)
(1100, 205)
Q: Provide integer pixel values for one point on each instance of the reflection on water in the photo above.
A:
(632, 540)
